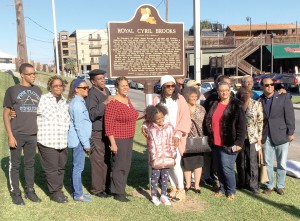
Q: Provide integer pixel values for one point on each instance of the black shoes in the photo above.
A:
(59, 198)
(102, 195)
(121, 198)
(30, 194)
(17, 199)
(267, 191)
(279, 191)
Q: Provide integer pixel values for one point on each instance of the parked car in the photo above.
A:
(136, 85)
(84, 76)
(291, 82)
(157, 87)
(257, 79)
(110, 84)
(206, 86)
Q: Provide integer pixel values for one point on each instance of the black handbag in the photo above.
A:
(197, 144)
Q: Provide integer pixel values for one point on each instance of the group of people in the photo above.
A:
(54, 123)
(240, 130)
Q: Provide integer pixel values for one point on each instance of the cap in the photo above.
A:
(192, 83)
(96, 72)
(166, 78)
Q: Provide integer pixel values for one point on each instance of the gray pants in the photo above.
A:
(121, 165)
(28, 144)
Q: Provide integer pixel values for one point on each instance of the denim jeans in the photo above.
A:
(281, 152)
(78, 166)
(225, 169)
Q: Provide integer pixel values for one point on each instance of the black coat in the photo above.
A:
(233, 129)
(281, 120)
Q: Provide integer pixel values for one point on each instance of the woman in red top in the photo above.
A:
(120, 118)
(226, 127)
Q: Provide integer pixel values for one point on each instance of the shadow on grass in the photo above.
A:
(290, 209)
(40, 180)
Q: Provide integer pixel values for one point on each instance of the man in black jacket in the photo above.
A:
(278, 132)
(96, 102)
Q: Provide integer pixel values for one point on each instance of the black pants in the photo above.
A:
(28, 144)
(53, 162)
(100, 163)
(121, 165)
(247, 167)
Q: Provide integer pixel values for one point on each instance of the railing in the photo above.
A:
(247, 68)
(233, 42)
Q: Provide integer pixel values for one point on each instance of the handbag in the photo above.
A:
(197, 144)
(263, 178)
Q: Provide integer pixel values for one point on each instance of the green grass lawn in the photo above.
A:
(196, 207)
(296, 99)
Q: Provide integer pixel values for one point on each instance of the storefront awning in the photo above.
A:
(285, 51)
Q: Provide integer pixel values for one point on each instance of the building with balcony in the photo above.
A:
(86, 46)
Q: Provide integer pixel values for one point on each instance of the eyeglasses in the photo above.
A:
(84, 88)
(29, 74)
(223, 91)
(170, 86)
(267, 85)
(57, 86)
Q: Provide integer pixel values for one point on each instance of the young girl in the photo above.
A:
(79, 135)
(161, 150)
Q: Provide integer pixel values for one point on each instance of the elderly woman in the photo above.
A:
(53, 123)
(225, 125)
(120, 118)
(193, 162)
(246, 163)
(178, 115)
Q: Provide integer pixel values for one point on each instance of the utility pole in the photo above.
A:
(55, 38)
(197, 41)
(21, 35)
(167, 9)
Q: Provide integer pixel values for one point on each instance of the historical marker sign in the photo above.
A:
(146, 46)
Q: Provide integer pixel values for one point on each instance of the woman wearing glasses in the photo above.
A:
(53, 123)
(179, 116)
(79, 134)
(226, 128)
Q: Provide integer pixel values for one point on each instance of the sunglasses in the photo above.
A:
(267, 85)
(170, 86)
(84, 88)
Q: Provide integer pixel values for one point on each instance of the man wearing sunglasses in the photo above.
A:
(278, 132)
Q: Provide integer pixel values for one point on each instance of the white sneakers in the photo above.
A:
(163, 199)
(155, 200)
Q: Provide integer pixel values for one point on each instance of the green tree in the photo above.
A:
(71, 65)
(205, 24)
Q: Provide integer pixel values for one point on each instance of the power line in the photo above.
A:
(160, 3)
(39, 40)
(39, 24)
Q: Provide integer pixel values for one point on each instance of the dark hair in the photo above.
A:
(174, 96)
(52, 79)
(24, 66)
(242, 90)
(262, 80)
(152, 110)
(71, 91)
(186, 92)
(119, 79)
(222, 78)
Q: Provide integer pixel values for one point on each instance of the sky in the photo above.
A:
(72, 15)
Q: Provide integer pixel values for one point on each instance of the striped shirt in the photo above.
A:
(53, 122)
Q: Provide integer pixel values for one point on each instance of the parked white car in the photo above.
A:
(110, 84)
(136, 85)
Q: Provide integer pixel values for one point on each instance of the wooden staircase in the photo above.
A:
(236, 58)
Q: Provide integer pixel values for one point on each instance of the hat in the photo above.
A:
(96, 72)
(192, 83)
(166, 78)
